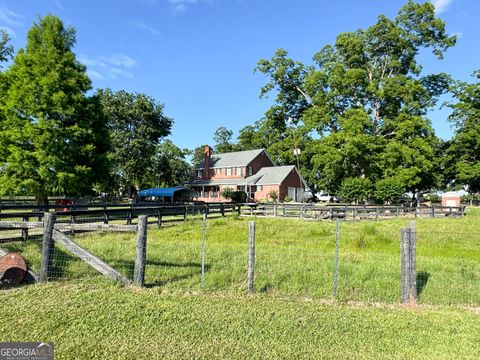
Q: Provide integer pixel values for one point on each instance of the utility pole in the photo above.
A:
(296, 150)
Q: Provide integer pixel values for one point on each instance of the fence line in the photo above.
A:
(365, 259)
(350, 212)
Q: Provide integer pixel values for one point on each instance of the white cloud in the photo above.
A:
(114, 72)
(10, 18)
(9, 31)
(95, 75)
(458, 34)
(58, 4)
(441, 5)
(111, 66)
(119, 60)
(179, 6)
(144, 26)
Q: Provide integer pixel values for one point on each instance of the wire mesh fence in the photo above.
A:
(342, 260)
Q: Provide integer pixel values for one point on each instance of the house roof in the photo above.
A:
(232, 159)
(167, 192)
(270, 175)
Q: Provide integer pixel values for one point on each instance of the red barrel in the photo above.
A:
(13, 269)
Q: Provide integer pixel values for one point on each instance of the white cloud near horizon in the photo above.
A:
(441, 5)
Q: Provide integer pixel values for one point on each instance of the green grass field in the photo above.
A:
(292, 314)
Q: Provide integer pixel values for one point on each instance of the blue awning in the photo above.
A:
(165, 192)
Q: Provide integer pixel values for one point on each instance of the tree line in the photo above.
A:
(56, 138)
(358, 113)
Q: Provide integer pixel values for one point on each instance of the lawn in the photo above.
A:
(294, 258)
(102, 320)
(292, 314)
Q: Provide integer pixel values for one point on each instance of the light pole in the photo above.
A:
(296, 150)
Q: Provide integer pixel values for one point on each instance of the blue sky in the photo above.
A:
(197, 56)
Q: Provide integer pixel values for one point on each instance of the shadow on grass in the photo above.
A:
(197, 270)
(422, 280)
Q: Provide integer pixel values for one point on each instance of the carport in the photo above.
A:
(166, 195)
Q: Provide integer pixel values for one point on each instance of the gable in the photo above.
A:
(234, 159)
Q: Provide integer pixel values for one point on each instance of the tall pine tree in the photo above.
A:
(54, 137)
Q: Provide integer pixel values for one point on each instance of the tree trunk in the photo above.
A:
(42, 202)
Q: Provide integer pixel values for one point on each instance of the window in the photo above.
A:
(229, 171)
(250, 171)
(260, 187)
(199, 173)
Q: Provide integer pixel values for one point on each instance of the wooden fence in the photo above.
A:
(348, 212)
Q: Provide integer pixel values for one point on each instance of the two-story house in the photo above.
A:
(251, 171)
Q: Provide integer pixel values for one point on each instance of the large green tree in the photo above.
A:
(223, 140)
(137, 124)
(463, 154)
(170, 165)
(6, 49)
(53, 137)
(365, 99)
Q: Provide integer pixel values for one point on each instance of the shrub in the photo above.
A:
(273, 195)
(238, 196)
(227, 193)
(287, 199)
(389, 190)
(355, 189)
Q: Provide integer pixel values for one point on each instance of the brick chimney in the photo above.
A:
(207, 153)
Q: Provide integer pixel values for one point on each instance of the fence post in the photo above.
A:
(337, 244)
(405, 278)
(105, 217)
(433, 211)
(412, 293)
(129, 217)
(47, 247)
(408, 258)
(139, 270)
(185, 213)
(25, 231)
(274, 211)
(204, 244)
(159, 218)
(222, 209)
(251, 257)
(376, 213)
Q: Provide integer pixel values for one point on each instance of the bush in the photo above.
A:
(355, 189)
(273, 195)
(287, 199)
(238, 197)
(389, 190)
(227, 193)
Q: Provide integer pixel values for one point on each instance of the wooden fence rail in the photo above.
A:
(348, 212)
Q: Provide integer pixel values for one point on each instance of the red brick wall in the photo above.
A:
(451, 200)
(261, 195)
(259, 162)
(292, 180)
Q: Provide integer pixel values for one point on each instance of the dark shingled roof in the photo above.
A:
(233, 159)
